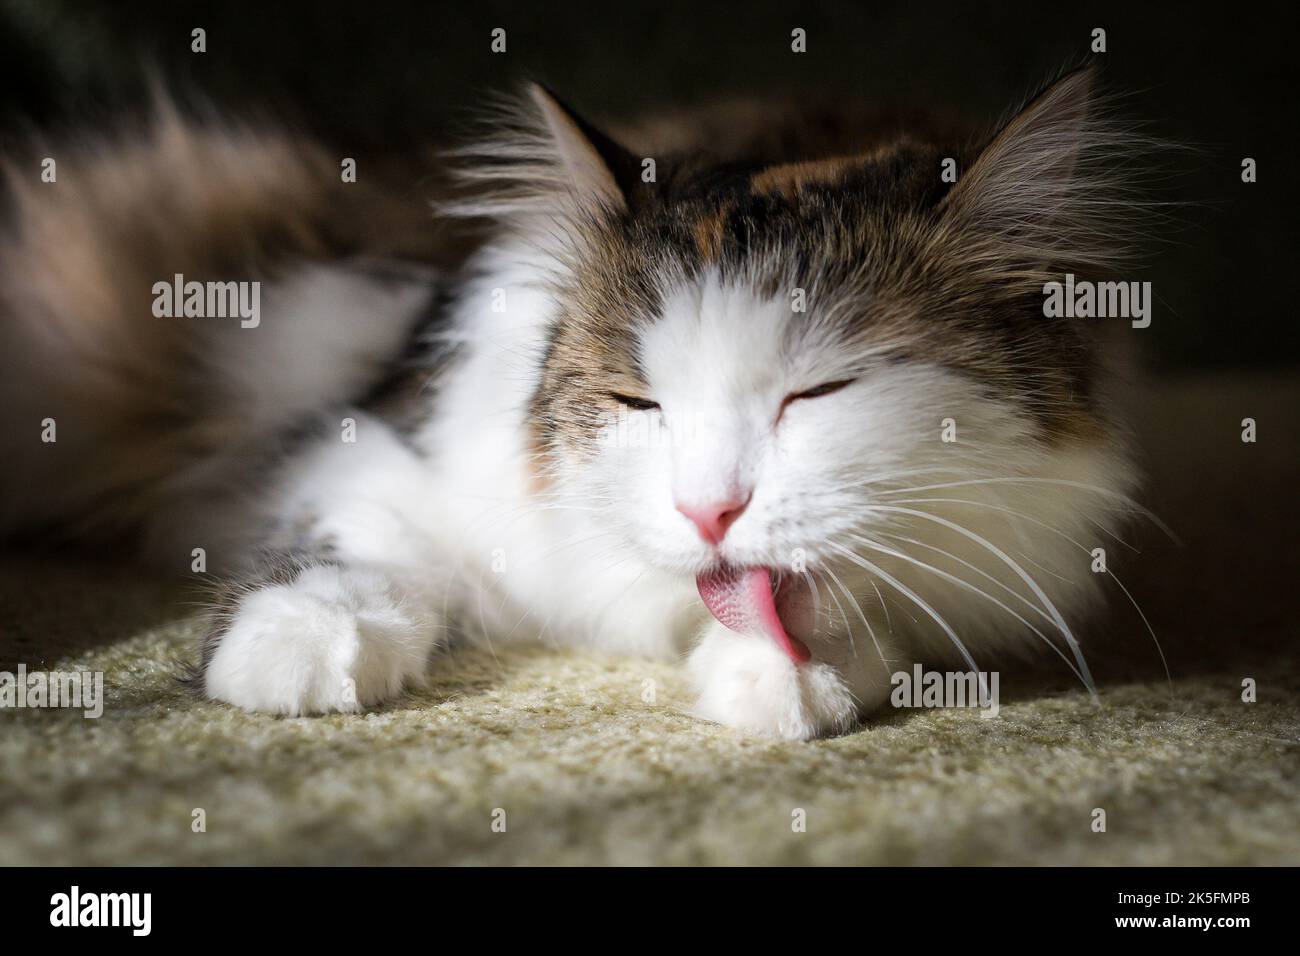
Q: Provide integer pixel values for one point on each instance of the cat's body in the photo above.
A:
(817, 398)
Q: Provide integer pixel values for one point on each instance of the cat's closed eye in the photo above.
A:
(827, 388)
(634, 403)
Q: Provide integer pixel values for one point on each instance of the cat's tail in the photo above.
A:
(174, 299)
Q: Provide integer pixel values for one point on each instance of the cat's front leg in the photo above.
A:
(342, 607)
(750, 683)
(314, 635)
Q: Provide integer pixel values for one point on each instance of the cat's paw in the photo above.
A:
(331, 640)
(752, 685)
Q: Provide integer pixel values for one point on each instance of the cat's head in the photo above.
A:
(743, 357)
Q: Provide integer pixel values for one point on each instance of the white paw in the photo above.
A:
(750, 684)
(332, 640)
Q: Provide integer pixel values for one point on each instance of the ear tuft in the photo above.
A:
(1056, 184)
(536, 156)
(1042, 143)
(597, 167)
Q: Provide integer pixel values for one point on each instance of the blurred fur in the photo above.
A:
(156, 416)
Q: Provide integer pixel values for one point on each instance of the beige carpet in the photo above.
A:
(587, 771)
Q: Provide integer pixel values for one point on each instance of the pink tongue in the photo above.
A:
(742, 599)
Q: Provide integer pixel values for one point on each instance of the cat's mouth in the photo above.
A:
(754, 601)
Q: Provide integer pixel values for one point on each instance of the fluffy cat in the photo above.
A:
(789, 406)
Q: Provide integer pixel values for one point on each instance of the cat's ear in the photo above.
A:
(1039, 148)
(1043, 184)
(600, 172)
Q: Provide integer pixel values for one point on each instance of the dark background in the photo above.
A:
(390, 75)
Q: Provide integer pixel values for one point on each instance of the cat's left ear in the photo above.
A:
(600, 172)
(1041, 144)
(1040, 183)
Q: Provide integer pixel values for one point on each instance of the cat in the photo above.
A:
(777, 396)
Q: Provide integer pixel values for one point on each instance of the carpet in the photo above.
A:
(539, 756)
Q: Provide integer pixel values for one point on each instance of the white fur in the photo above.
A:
(748, 683)
(332, 640)
(337, 317)
(455, 533)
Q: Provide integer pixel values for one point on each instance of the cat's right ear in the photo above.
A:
(600, 172)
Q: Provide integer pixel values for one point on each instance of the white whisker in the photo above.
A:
(921, 603)
(1108, 492)
(1024, 576)
(970, 587)
(1078, 544)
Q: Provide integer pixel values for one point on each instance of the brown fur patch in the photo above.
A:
(709, 232)
(791, 178)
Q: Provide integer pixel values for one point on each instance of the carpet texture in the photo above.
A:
(595, 760)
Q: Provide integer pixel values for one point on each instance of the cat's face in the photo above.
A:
(728, 432)
(759, 355)
(729, 427)
(768, 429)
(736, 369)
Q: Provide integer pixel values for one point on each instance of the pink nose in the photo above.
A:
(713, 520)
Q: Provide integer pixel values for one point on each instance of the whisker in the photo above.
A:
(858, 608)
(978, 570)
(1082, 547)
(1024, 576)
(921, 603)
(984, 594)
(811, 583)
(839, 607)
(1028, 560)
(883, 606)
(1119, 496)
